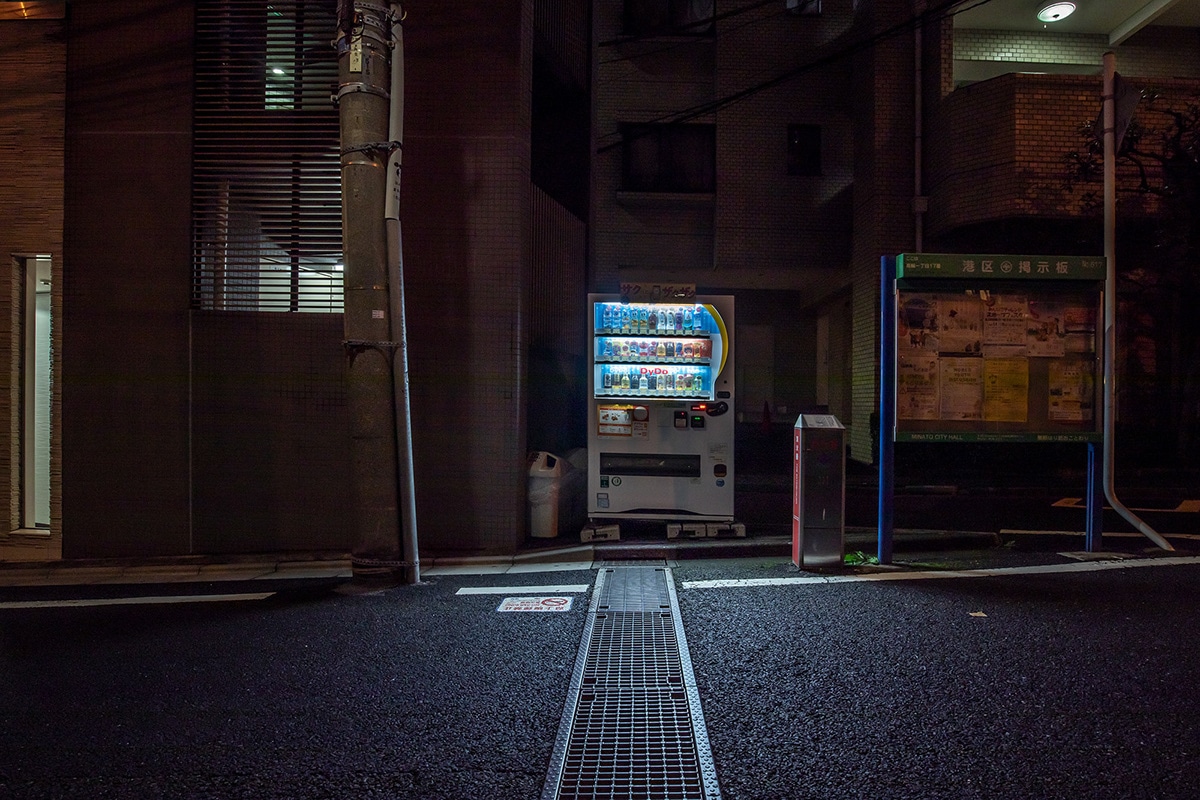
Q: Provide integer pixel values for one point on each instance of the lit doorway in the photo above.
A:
(36, 387)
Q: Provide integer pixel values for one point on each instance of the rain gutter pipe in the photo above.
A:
(395, 254)
(920, 203)
(1110, 305)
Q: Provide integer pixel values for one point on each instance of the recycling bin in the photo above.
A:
(818, 491)
(545, 489)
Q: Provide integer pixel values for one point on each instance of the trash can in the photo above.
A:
(818, 491)
(545, 493)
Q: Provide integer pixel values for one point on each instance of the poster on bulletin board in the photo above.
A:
(998, 347)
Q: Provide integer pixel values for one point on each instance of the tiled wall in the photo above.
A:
(557, 338)
(642, 82)
(32, 98)
(883, 220)
(762, 229)
(790, 225)
(271, 465)
(127, 278)
(466, 215)
(1154, 52)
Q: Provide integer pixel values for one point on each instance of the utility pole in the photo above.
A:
(372, 335)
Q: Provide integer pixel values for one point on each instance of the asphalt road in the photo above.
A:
(1065, 684)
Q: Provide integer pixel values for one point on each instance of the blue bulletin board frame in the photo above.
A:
(955, 277)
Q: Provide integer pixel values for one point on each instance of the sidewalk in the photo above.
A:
(536, 555)
(546, 555)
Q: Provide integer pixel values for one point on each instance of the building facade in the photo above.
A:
(833, 133)
(171, 234)
(168, 162)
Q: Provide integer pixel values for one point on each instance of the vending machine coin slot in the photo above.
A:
(716, 409)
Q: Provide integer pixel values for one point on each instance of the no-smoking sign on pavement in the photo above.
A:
(535, 604)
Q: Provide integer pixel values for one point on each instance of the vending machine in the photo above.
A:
(660, 434)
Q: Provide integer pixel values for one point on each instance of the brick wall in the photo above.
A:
(997, 150)
(32, 92)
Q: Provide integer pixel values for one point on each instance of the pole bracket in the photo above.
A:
(359, 86)
(356, 347)
(368, 147)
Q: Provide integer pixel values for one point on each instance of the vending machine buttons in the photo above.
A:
(641, 413)
(681, 419)
(697, 420)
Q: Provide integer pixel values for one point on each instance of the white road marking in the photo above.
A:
(1107, 534)
(545, 590)
(137, 601)
(997, 572)
(1184, 507)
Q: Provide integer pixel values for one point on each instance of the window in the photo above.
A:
(804, 8)
(804, 150)
(669, 158)
(36, 384)
(669, 17)
(266, 170)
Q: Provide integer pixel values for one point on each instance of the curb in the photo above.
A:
(193, 568)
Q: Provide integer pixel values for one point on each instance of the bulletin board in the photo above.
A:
(999, 348)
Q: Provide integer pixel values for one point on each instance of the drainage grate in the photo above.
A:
(632, 726)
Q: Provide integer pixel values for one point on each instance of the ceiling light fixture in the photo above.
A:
(1055, 10)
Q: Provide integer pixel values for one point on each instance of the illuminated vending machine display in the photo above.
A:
(660, 441)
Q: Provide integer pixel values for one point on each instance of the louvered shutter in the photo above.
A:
(266, 176)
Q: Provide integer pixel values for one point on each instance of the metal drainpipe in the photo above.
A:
(920, 202)
(408, 505)
(1110, 306)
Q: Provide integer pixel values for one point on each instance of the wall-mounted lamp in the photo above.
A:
(1055, 10)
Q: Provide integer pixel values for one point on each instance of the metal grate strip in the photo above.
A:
(633, 649)
(632, 726)
(635, 589)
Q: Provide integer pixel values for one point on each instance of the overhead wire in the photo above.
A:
(698, 24)
(685, 43)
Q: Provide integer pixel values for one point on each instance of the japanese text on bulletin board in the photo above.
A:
(1011, 354)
